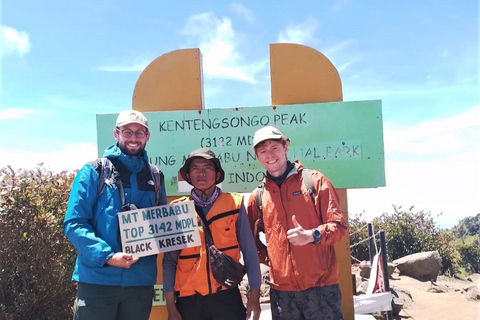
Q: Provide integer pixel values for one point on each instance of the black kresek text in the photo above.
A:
(141, 247)
(175, 241)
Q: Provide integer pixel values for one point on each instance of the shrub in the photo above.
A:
(358, 235)
(406, 232)
(36, 260)
(469, 250)
(468, 226)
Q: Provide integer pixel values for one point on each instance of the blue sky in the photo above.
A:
(63, 62)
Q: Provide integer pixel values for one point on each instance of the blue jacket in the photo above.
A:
(92, 226)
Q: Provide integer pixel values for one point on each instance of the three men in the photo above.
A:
(300, 231)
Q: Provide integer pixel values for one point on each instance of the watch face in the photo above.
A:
(316, 235)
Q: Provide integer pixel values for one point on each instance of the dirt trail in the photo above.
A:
(450, 305)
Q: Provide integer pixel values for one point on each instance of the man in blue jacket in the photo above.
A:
(113, 284)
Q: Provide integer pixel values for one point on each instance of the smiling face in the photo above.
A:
(203, 174)
(132, 145)
(272, 155)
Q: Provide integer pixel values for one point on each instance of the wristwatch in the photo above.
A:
(316, 236)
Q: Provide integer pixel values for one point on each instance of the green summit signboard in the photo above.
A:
(343, 140)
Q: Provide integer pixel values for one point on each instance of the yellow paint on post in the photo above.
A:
(300, 74)
(172, 81)
(342, 249)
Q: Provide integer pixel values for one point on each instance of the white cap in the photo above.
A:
(131, 116)
(266, 133)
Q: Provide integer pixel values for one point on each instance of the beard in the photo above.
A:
(131, 150)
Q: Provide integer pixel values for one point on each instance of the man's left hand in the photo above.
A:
(253, 305)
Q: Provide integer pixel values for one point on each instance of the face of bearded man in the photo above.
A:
(128, 138)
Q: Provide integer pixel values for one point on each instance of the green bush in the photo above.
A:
(36, 260)
(406, 232)
(468, 226)
(358, 236)
(469, 250)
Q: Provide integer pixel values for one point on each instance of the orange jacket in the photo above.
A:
(193, 270)
(296, 268)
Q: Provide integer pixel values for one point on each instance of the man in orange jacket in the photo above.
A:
(300, 231)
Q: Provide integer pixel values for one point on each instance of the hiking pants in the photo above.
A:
(225, 304)
(99, 302)
(317, 303)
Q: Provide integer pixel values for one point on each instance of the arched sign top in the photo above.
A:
(300, 74)
(172, 81)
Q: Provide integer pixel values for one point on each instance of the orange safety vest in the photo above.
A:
(193, 273)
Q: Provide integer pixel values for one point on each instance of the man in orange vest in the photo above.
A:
(191, 291)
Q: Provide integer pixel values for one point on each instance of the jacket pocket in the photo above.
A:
(188, 261)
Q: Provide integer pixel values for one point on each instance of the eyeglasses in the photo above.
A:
(129, 133)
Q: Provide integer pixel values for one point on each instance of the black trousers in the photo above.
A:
(97, 302)
(317, 303)
(226, 304)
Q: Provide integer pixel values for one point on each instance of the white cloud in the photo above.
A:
(68, 157)
(338, 5)
(16, 113)
(442, 173)
(344, 66)
(243, 11)
(360, 93)
(454, 135)
(218, 43)
(13, 41)
(299, 33)
(338, 47)
(340, 54)
(135, 67)
(450, 187)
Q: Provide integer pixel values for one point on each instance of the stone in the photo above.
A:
(423, 266)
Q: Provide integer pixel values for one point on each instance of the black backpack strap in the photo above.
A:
(106, 174)
(307, 180)
(259, 223)
(104, 168)
(158, 179)
(118, 180)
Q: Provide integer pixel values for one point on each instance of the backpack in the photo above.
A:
(307, 180)
(106, 171)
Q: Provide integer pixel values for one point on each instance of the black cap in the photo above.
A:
(204, 153)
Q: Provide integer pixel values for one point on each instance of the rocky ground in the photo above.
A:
(444, 299)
